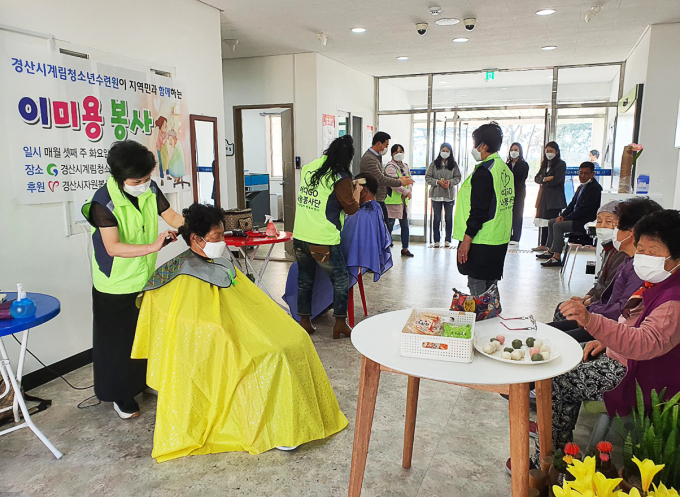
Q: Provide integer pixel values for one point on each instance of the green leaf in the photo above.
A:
(628, 452)
(656, 409)
(640, 401)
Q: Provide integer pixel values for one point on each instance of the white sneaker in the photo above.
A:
(514, 243)
(130, 411)
(436, 244)
(286, 449)
(447, 244)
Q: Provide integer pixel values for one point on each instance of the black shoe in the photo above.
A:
(126, 409)
(406, 253)
(545, 255)
(552, 262)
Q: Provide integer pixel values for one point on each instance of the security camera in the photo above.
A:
(470, 23)
(421, 27)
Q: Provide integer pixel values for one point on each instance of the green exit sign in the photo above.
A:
(490, 75)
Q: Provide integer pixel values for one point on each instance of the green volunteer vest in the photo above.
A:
(395, 198)
(311, 224)
(135, 227)
(495, 231)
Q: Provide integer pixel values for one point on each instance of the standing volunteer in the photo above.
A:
(483, 219)
(326, 191)
(124, 218)
(397, 199)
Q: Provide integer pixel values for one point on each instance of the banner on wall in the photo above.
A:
(63, 113)
(327, 130)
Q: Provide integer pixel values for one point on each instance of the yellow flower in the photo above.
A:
(662, 491)
(568, 459)
(648, 471)
(603, 486)
(583, 472)
(633, 493)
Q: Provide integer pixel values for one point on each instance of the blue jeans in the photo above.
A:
(403, 225)
(335, 268)
(437, 219)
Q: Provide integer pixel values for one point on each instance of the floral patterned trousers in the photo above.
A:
(589, 381)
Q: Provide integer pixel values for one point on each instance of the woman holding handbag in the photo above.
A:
(326, 191)
(397, 200)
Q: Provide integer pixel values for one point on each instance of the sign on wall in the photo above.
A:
(327, 130)
(62, 114)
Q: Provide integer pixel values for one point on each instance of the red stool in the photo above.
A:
(350, 304)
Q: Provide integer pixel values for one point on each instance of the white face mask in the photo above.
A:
(399, 157)
(383, 151)
(605, 234)
(137, 190)
(476, 154)
(213, 250)
(514, 154)
(583, 184)
(615, 241)
(651, 268)
(445, 155)
(550, 155)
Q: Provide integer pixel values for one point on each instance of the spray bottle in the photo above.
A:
(22, 307)
(271, 229)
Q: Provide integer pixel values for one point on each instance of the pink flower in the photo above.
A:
(636, 147)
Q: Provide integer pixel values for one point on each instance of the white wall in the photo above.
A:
(341, 88)
(254, 142)
(255, 81)
(34, 248)
(659, 107)
(313, 83)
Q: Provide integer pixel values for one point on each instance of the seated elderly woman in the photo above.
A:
(233, 371)
(642, 346)
(623, 282)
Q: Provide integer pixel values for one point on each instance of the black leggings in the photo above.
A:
(572, 329)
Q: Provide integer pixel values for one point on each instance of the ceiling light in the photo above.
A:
(448, 86)
(549, 47)
(447, 22)
(462, 95)
(460, 40)
(442, 82)
(358, 30)
(503, 89)
(546, 12)
(402, 57)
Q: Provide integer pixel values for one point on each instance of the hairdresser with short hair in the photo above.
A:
(124, 218)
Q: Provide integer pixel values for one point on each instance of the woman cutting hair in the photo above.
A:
(326, 191)
(124, 218)
(233, 371)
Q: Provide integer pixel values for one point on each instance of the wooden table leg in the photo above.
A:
(350, 307)
(544, 415)
(410, 426)
(368, 390)
(519, 438)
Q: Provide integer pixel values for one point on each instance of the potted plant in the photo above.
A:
(655, 436)
(604, 463)
(558, 474)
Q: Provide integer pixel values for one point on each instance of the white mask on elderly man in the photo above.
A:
(383, 151)
(213, 250)
(651, 268)
(605, 234)
(514, 154)
(445, 155)
(399, 157)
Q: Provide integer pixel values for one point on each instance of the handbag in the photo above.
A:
(238, 219)
(485, 306)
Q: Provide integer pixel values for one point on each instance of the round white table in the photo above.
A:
(378, 340)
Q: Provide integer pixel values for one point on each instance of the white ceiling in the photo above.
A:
(508, 33)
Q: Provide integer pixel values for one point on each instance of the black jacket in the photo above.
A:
(520, 171)
(583, 208)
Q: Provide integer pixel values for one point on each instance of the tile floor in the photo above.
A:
(461, 435)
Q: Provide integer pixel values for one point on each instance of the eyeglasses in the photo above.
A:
(530, 318)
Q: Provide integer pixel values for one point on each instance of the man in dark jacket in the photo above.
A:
(371, 163)
(581, 210)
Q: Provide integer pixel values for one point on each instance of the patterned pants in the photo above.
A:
(589, 381)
